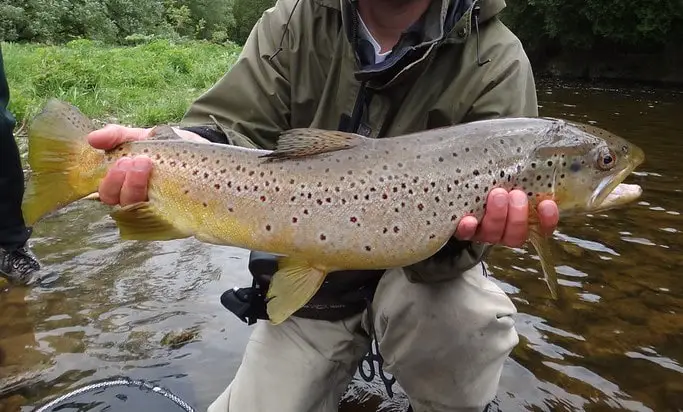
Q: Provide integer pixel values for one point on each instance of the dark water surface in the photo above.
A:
(616, 344)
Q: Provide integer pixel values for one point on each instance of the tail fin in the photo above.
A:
(64, 167)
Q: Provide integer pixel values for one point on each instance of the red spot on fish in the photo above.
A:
(263, 198)
(353, 219)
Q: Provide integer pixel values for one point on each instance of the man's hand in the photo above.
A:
(506, 220)
(126, 181)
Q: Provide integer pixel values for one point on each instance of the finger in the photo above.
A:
(549, 216)
(110, 186)
(134, 188)
(467, 227)
(517, 226)
(492, 224)
(113, 135)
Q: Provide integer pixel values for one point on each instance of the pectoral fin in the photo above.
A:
(542, 247)
(141, 221)
(293, 285)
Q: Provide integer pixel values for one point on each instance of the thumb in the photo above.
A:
(113, 135)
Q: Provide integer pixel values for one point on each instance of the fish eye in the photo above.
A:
(606, 159)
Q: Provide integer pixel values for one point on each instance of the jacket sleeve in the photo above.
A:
(253, 97)
(508, 90)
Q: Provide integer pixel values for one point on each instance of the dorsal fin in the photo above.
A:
(305, 142)
(163, 132)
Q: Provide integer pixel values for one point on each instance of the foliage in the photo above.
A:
(115, 21)
(247, 12)
(576, 24)
(142, 85)
(579, 24)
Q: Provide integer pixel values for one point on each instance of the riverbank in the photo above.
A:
(141, 85)
(154, 82)
(656, 69)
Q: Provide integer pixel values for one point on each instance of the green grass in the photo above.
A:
(140, 85)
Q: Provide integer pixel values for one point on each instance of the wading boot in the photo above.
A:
(21, 267)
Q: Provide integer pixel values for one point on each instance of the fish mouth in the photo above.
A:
(622, 194)
(611, 192)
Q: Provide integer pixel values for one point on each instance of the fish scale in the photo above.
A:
(326, 200)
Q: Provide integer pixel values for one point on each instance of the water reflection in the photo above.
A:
(614, 341)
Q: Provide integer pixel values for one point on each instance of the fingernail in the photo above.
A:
(140, 164)
(518, 199)
(500, 200)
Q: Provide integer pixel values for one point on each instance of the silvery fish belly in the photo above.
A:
(328, 200)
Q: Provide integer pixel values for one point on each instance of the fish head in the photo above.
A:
(580, 166)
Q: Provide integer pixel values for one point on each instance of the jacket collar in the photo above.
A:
(445, 21)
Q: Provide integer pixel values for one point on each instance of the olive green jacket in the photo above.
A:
(306, 73)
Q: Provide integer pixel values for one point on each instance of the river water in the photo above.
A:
(617, 344)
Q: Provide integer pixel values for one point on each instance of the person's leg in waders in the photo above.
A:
(445, 341)
(17, 263)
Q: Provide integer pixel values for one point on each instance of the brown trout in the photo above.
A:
(326, 201)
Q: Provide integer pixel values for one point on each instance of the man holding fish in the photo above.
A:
(376, 68)
(443, 328)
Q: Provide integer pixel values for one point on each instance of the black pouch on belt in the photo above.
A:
(343, 294)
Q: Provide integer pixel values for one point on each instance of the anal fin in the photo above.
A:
(293, 285)
(141, 221)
